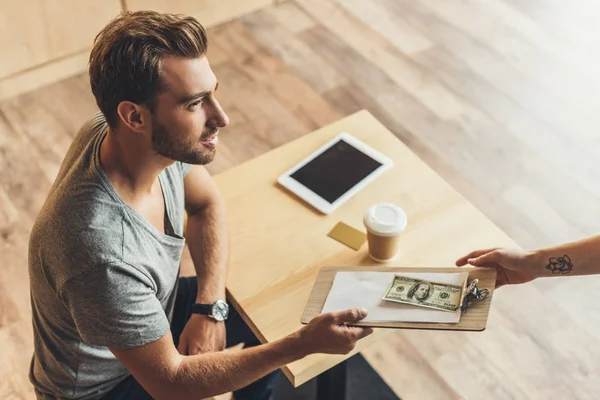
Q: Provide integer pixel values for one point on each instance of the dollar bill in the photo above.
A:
(423, 293)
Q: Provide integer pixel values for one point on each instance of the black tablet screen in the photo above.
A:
(336, 170)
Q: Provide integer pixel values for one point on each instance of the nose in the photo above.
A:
(219, 118)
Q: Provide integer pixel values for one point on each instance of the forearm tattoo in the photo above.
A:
(560, 265)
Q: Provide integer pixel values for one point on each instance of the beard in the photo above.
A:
(187, 151)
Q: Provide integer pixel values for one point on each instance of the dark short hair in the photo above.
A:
(125, 61)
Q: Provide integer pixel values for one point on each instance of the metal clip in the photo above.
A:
(473, 292)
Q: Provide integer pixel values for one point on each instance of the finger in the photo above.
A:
(235, 349)
(463, 260)
(193, 350)
(350, 315)
(182, 347)
(240, 345)
(483, 261)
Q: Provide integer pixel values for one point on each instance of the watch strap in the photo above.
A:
(205, 309)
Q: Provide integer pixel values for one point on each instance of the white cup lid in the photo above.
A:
(385, 219)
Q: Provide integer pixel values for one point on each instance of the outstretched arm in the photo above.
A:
(516, 266)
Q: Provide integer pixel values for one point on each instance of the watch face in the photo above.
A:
(220, 310)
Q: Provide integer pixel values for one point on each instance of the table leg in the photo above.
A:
(331, 384)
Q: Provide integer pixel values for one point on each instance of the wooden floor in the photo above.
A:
(500, 97)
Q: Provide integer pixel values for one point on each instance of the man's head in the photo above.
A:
(149, 73)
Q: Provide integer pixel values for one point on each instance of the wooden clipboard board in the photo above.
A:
(474, 319)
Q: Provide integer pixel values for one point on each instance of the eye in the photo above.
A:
(195, 104)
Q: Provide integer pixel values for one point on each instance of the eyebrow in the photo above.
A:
(199, 95)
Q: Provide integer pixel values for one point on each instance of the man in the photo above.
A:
(419, 292)
(517, 266)
(111, 317)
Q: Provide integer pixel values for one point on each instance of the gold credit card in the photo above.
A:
(348, 235)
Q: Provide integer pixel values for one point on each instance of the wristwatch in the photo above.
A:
(219, 310)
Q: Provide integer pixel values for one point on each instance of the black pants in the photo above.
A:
(237, 332)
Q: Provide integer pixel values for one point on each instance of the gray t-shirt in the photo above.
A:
(101, 275)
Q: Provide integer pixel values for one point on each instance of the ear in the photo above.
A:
(134, 116)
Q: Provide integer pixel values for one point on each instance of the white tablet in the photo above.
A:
(335, 172)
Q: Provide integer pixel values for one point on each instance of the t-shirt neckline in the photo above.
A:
(108, 186)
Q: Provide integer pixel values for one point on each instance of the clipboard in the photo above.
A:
(473, 319)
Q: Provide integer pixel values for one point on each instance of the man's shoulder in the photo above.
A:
(79, 203)
(85, 212)
(76, 233)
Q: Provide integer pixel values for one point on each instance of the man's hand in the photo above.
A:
(513, 266)
(201, 335)
(328, 333)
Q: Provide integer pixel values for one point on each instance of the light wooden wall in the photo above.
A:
(45, 41)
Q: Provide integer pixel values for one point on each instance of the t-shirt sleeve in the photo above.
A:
(115, 306)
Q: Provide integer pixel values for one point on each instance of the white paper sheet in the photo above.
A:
(366, 288)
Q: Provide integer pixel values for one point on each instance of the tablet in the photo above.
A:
(335, 172)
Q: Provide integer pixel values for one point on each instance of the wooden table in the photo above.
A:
(278, 244)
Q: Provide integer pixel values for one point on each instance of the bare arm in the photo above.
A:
(166, 374)
(575, 258)
(208, 240)
(207, 234)
(515, 266)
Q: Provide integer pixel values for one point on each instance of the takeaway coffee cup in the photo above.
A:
(384, 223)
